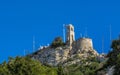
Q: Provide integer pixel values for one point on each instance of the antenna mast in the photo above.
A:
(64, 32)
(33, 43)
(119, 36)
(81, 35)
(86, 32)
(24, 52)
(103, 45)
(110, 34)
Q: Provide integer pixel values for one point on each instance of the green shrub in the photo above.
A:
(57, 42)
(25, 66)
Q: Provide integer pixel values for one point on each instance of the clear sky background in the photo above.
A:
(20, 20)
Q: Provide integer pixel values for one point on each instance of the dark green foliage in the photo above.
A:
(25, 66)
(60, 70)
(116, 44)
(57, 42)
(83, 68)
(114, 53)
(114, 58)
(117, 67)
(3, 69)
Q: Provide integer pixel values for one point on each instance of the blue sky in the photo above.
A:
(20, 20)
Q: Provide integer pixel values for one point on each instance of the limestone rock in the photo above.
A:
(75, 51)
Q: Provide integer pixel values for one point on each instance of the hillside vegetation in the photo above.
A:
(25, 66)
(87, 66)
(113, 61)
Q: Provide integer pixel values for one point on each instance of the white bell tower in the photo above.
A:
(70, 37)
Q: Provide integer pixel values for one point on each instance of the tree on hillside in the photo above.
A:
(3, 69)
(114, 53)
(113, 58)
(57, 42)
(25, 66)
(117, 67)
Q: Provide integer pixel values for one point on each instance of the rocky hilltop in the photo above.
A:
(62, 55)
(73, 52)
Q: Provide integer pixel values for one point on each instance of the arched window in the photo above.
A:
(71, 29)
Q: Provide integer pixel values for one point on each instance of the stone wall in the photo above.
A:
(84, 44)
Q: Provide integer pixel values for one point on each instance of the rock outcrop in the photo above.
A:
(73, 52)
(65, 55)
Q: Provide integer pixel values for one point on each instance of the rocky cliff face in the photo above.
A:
(74, 52)
(51, 56)
(63, 55)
